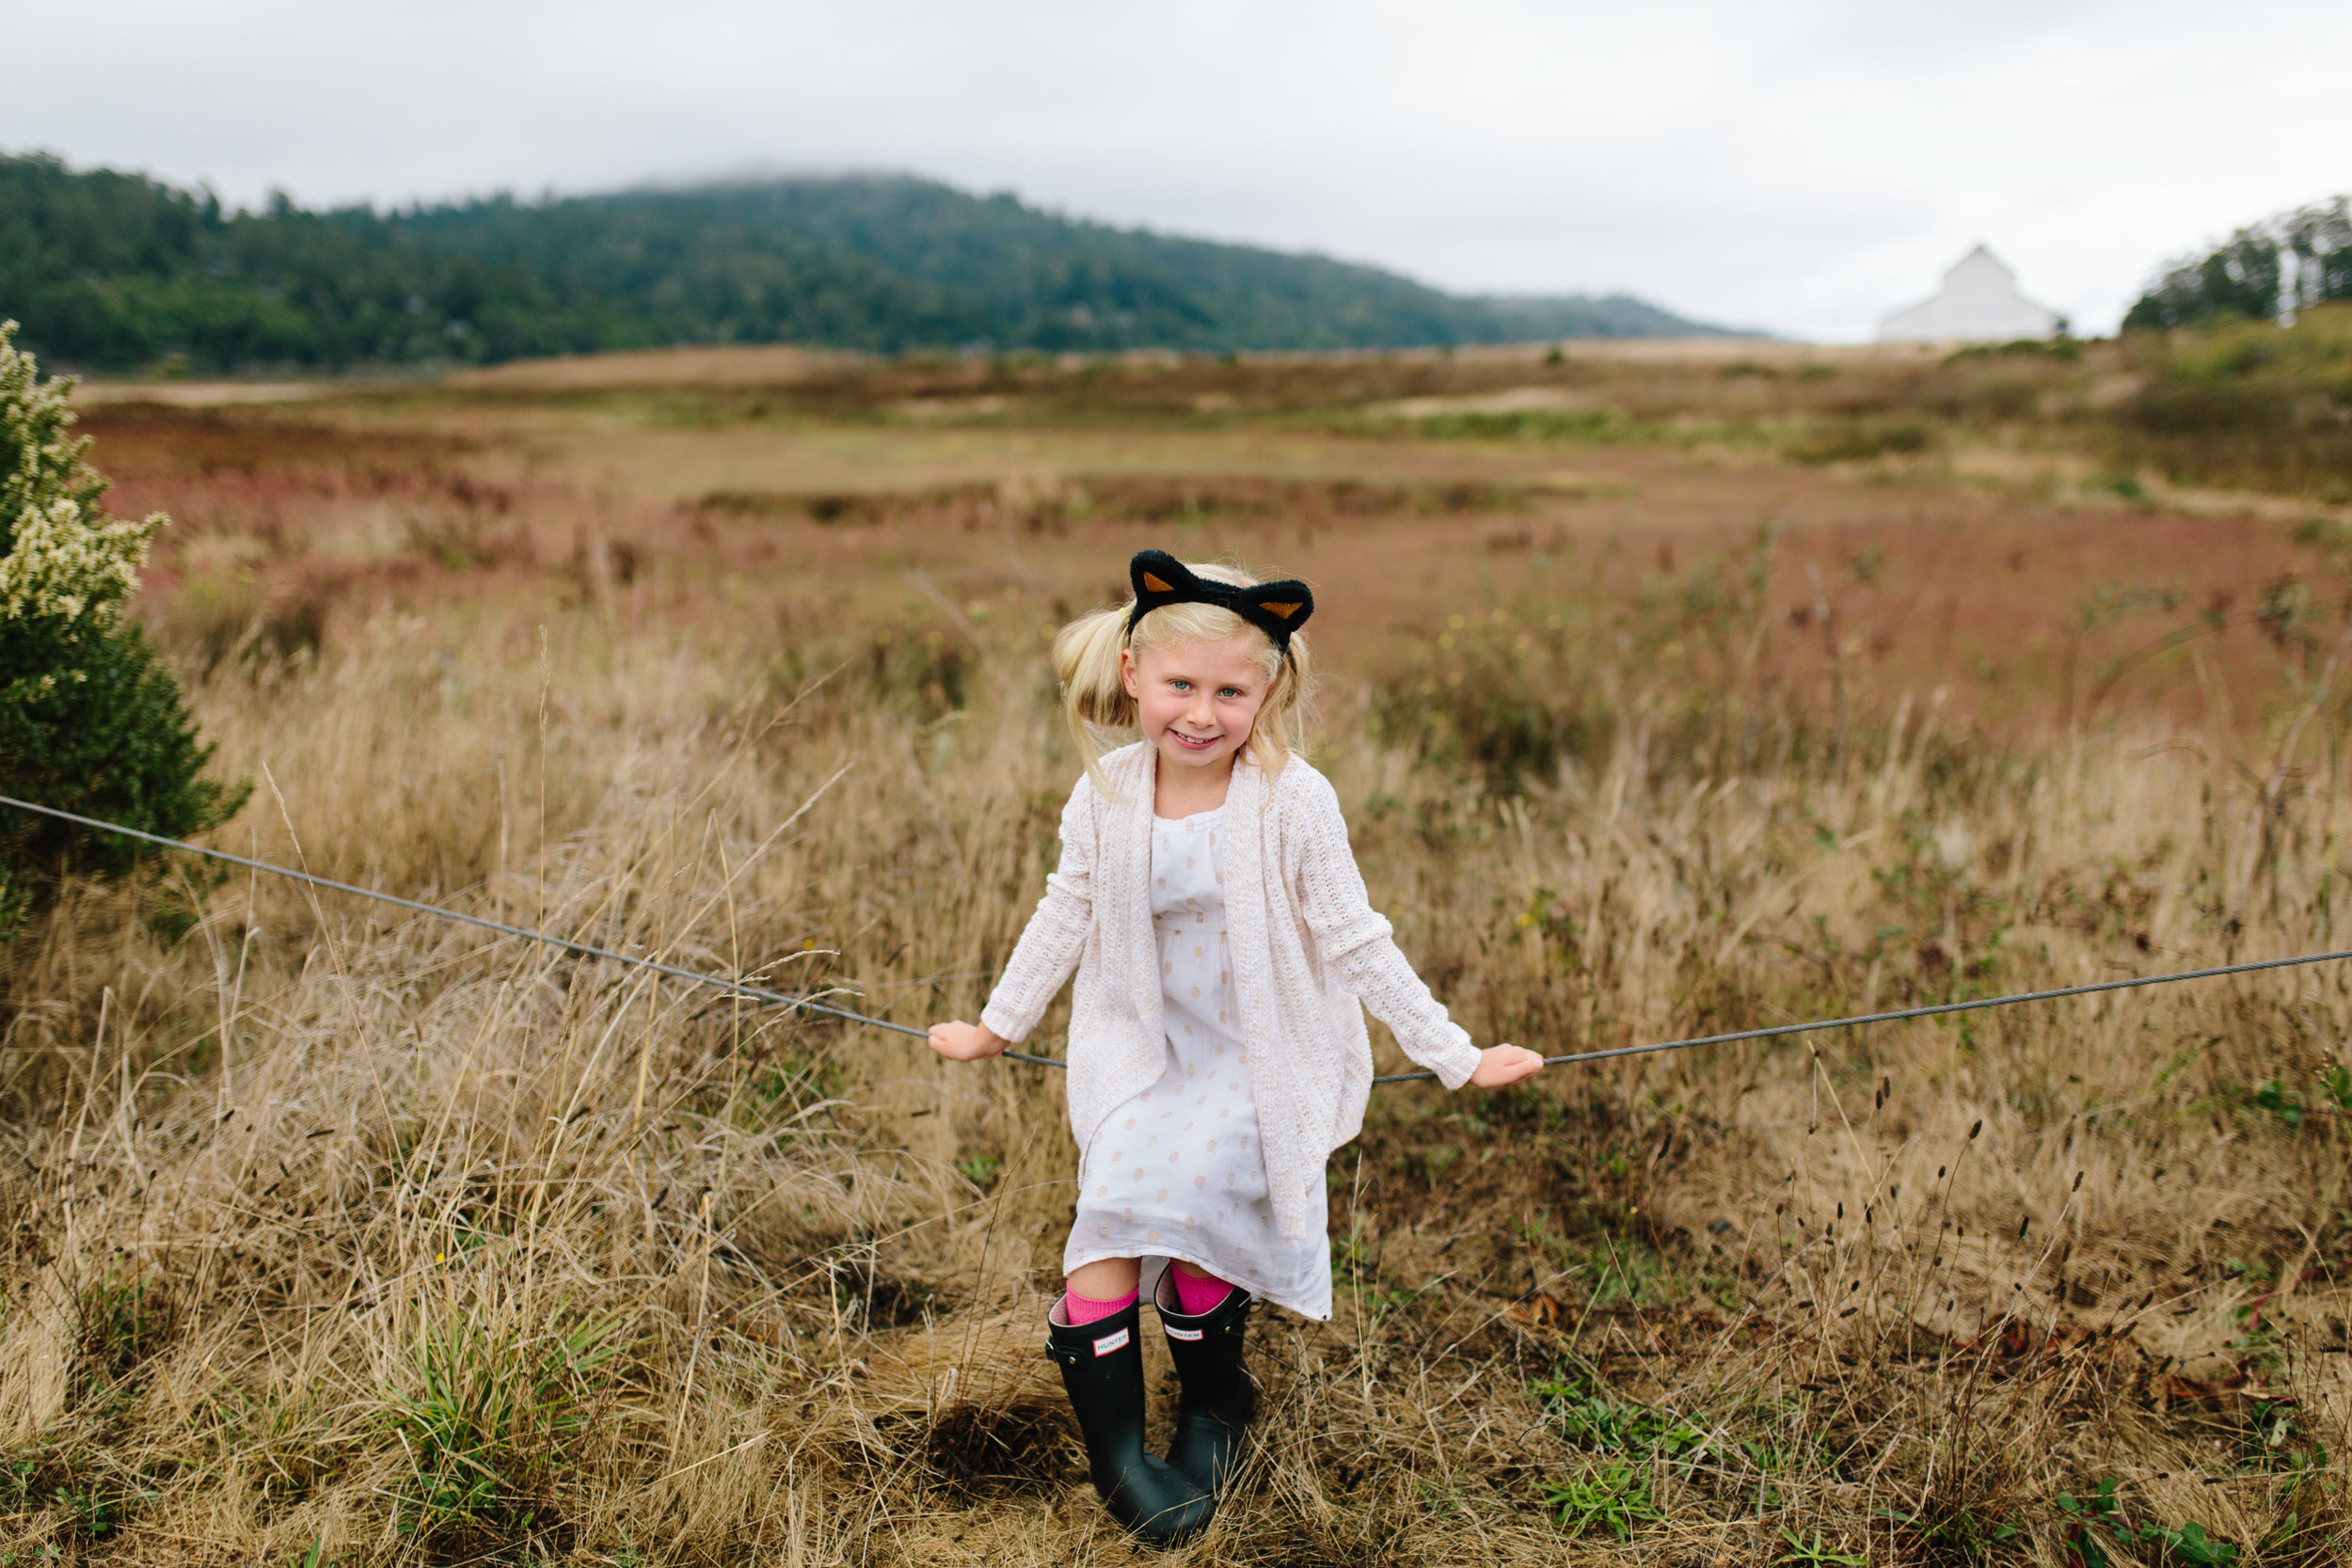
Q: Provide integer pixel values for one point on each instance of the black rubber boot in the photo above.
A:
(1219, 1397)
(1102, 1368)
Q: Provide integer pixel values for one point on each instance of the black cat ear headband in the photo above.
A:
(1276, 608)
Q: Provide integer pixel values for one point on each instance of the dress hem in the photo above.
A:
(1157, 1249)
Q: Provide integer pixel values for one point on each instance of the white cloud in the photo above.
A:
(1805, 167)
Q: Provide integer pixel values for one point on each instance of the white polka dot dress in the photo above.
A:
(1177, 1171)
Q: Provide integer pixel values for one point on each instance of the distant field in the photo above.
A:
(2010, 564)
(1671, 688)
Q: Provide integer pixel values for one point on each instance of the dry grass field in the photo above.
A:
(1669, 693)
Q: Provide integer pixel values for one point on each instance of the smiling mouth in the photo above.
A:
(1190, 744)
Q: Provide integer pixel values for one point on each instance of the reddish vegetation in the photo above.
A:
(2022, 612)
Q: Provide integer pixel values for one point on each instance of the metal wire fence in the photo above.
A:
(826, 1009)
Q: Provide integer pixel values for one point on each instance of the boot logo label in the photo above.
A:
(1175, 1333)
(1110, 1342)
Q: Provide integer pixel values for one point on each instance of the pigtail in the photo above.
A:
(1288, 714)
(1094, 699)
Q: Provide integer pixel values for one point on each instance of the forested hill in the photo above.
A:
(119, 272)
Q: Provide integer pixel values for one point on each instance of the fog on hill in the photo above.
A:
(121, 272)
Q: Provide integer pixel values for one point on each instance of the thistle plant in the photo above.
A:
(92, 720)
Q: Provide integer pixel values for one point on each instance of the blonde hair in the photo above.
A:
(1095, 697)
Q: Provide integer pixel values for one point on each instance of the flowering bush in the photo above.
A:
(90, 718)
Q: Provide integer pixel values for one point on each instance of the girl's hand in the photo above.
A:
(965, 1042)
(1498, 1065)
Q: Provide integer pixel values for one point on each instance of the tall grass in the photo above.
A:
(340, 1234)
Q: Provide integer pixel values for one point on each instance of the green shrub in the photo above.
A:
(91, 721)
(2244, 404)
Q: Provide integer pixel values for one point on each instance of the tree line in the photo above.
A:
(117, 271)
(2261, 273)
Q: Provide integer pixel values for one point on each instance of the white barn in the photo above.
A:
(1979, 303)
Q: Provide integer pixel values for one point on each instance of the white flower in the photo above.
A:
(66, 560)
(61, 564)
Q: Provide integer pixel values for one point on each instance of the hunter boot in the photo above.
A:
(1218, 1398)
(1102, 1368)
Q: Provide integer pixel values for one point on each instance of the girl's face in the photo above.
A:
(1196, 700)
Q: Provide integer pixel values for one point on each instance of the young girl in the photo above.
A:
(1223, 940)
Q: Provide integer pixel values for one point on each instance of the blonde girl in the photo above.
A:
(1223, 942)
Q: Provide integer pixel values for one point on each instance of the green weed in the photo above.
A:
(2289, 1106)
(2093, 1521)
(796, 1083)
(1613, 1496)
(1814, 1553)
(1960, 1533)
(95, 1497)
(122, 1317)
(1356, 1268)
(1597, 1420)
(496, 1414)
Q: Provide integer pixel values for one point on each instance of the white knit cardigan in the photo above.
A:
(1306, 945)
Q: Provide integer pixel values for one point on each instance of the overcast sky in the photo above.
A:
(1804, 166)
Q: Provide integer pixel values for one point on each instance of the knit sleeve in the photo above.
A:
(1358, 942)
(1056, 933)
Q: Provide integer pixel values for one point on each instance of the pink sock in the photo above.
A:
(1197, 1293)
(1082, 1310)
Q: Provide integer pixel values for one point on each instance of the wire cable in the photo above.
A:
(586, 950)
(1901, 1013)
(760, 993)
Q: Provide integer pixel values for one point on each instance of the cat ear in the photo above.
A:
(1159, 578)
(1277, 608)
